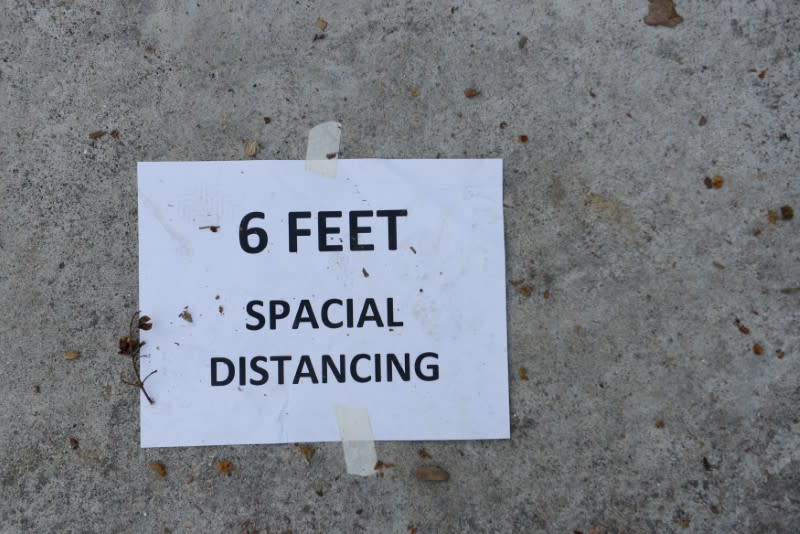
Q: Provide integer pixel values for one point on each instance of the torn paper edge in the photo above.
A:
(322, 153)
(355, 431)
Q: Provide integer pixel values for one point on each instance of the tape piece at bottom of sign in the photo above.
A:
(355, 431)
(323, 148)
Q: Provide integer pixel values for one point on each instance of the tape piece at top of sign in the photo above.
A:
(323, 149)
(358, 443)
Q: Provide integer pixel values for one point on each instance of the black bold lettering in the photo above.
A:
(294, 232)
(255, 315)
(355, 229)
(349, 303)
(392, 362)
(433, 368)
(305, 361)
(325, 319)
(323, 230)
(242, 370)
(215, 381)
(391, 221)
(274, 314)
(369, 305)
(327, 363)
(280, 360)
(377, 367)
(260, 370)
(390, 314)
(354, 368)
(305, 306)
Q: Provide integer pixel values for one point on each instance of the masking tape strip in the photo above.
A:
(322, 153)
(355, 431)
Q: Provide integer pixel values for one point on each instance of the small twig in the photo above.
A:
(130, 346)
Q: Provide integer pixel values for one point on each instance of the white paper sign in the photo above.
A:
(277, 295)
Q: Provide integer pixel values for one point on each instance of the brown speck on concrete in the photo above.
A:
(660, 423)
(523, 138)
(73, 443)
(707, 182)
(432, 473)
(97, 134)
(525, 291)
(471, 92)
(702, 121)
(787, 213)
(662, 13)
(772, 216)
(523, 374)
(159, 468)
(717, 182)
(758, 350)
(321, 23)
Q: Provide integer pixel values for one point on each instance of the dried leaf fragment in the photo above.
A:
(321, 24)
(758, 350)
(97, 134)
(72, 355)
(307, 451)
(159, 468)
(471, 92)
(772, 216)
(523, 138)
(144, 323)
(432, 473)
(762, 75)
(787, 213)
(662, 13)
(380, 464)
(224, 467)
(707, 182)
(186, 315)
(250, 149)
(523, 373)
(423, 453)
(114, 134)
(525, 291)
(742, 328)
(414, 91)
(717, 182)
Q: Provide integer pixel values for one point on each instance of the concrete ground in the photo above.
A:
(646, 407)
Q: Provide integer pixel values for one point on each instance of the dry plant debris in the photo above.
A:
(758, 350)
(97, 134)
(321, 24)
(423, 453)
(186, 315)
(432, 473)
(525, 291)
(742, 328)
(523, 373)
(72, 355)
(225, 467)
(130, 346)
(662, 13)
(660, 423)
(471, 92)
(307, 451)
(787, 213)
(159, 468)
(523, 138)
(250, 149)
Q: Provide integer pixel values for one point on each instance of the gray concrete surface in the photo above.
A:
(646, 269)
